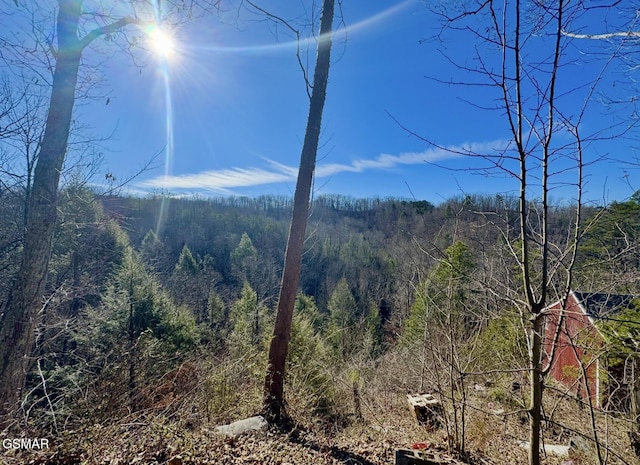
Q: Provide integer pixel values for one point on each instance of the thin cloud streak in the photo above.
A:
(222, 181)
(388, 161)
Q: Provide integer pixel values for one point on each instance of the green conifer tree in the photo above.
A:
(341, 328)
(244, 260)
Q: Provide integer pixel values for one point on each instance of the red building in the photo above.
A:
(578, 361)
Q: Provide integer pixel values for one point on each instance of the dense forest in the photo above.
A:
(145, 288)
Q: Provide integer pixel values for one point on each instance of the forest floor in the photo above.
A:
(183, 431)
(155, 439)
(161, 441)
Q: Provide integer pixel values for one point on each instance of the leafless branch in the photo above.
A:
(106, 30)
(295, 32)
(606, 36)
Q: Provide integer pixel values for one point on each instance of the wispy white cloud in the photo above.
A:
(222, 181)
(385, 160)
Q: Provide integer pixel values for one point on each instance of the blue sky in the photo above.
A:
(227, 112)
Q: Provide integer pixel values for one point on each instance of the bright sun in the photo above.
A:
(161, 42)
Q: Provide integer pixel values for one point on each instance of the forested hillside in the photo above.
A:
(164, 306)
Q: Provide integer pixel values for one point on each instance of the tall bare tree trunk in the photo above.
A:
(19, 314)
(273, 400)
(20, 311)
(535, 400)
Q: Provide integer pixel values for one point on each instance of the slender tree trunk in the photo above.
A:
(535, 407)
(592, 407)
(273, 401)
(132, 349)
(635, 392)
(20, 312)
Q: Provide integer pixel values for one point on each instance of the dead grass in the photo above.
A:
(185, 432)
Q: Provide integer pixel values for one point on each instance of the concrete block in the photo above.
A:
(242, 426)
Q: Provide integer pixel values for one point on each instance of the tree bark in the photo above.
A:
(19, 314)
(273, 400)
(535, 407)
(635, 392)
(21, 311)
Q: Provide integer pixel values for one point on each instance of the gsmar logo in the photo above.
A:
(25, 443)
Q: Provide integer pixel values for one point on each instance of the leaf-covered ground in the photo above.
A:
(153, 440)
(388, 425)
(157, 443)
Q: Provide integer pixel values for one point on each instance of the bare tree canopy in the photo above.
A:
(50, 44)
(550, 101)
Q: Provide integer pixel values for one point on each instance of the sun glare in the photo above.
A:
(161, 42)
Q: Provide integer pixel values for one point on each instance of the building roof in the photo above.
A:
(599, 305)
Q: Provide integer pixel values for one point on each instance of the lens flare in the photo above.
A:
(369, 23)
(168, 158)
(161, 42)
(163, 45)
